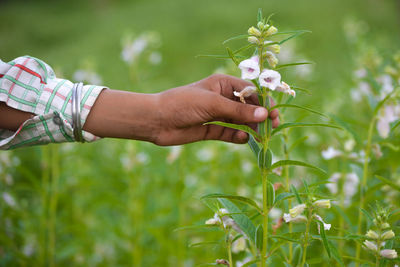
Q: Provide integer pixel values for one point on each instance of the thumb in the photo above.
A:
(237, 111)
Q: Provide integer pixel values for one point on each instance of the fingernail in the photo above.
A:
(260, 113)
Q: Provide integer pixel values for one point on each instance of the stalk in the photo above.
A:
(363, 184)
(306, 237)
(265, 173)
(229, 248)
(44, 201)
(55, 173)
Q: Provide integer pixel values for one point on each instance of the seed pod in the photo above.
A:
(264, 159)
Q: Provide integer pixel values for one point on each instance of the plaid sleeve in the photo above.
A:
(30, 85)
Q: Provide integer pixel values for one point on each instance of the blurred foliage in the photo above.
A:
(118, 202)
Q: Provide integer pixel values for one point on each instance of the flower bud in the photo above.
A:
(323, 203)
(260, 25)
(213, 221)
(389, 253)
(271, 30)
(254, 31)
(294, 212)
(275, 48)
(385, 225)
(271, 58)
(372, 234)
(388, 235)
(253, 40)
(370, 245)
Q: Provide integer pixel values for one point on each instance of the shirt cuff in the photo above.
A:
(30, 85)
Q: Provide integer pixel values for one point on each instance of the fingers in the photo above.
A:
(226, 84)
(236, 111)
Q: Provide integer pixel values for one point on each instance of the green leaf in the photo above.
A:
(292, 32)
(297, 255)
(301, 124)
(347, 127)
(323, 237)
(198, 227)
(259, 237)
(259, 15)
(308, 92)
(254, 145)
(395, 126)
(242, 220)
(240, 127)
(382, 102)
(205, 243)
(294, 190)
(238, 37)
(233, 197)
(292, 64)
(247, 264)
(244, 48)
(297, 142)
(295, 163)
(388, 182)
(283, 196)
(270, 194)
(335, 253)
(366, 213)
(269, 18)
(298, 33)
(299, 107)
(232, 56)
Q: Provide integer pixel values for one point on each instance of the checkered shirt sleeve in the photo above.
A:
(30, 85)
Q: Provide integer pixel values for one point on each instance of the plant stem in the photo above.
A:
(363, 184)
(55, 173)
(229, 248)
(306, 237)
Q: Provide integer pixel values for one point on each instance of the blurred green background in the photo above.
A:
(116, 202)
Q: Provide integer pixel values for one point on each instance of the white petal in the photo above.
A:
(250, 69)
(270, 79)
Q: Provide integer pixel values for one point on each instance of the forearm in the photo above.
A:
(10, 118)
(121, 114)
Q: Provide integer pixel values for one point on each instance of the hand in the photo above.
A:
(184, 110)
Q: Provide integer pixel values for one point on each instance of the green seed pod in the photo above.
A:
(264, 159)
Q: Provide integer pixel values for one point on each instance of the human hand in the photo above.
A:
(182, 112)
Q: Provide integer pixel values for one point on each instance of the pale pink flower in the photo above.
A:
(331, 153)
(250, 68)
(327, 226)
(246, 92)
(389, 114)
(389, 253)
(270, 79)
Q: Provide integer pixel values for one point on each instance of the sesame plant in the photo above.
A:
(260, 66)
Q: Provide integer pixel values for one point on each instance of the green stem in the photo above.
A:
(306, 237)
(229, 248)
(363, 184)
(55, 173)
(44, 202)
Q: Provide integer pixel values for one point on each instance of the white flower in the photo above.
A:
(213, 221)
(331, 153)
(239, 245)
(205, 154)
(9, 199)
(298, 219)
(250, 68)
(389, 253)
(174, 153)
(271, 58)
(246, 92)
(285, 88)
(297, 210)
(360, 73)
(270, 79)
(327, 226)
(349, 145)
(275, 213)
(370, 245)
(387, 85)
(143, 158)
(372, 234)
(350, 185)
(155, 58)
(323, 203)
(388, 234)
(389, 114)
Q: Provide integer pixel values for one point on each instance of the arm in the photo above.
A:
(172, 117)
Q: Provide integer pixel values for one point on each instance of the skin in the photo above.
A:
(173, 117)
